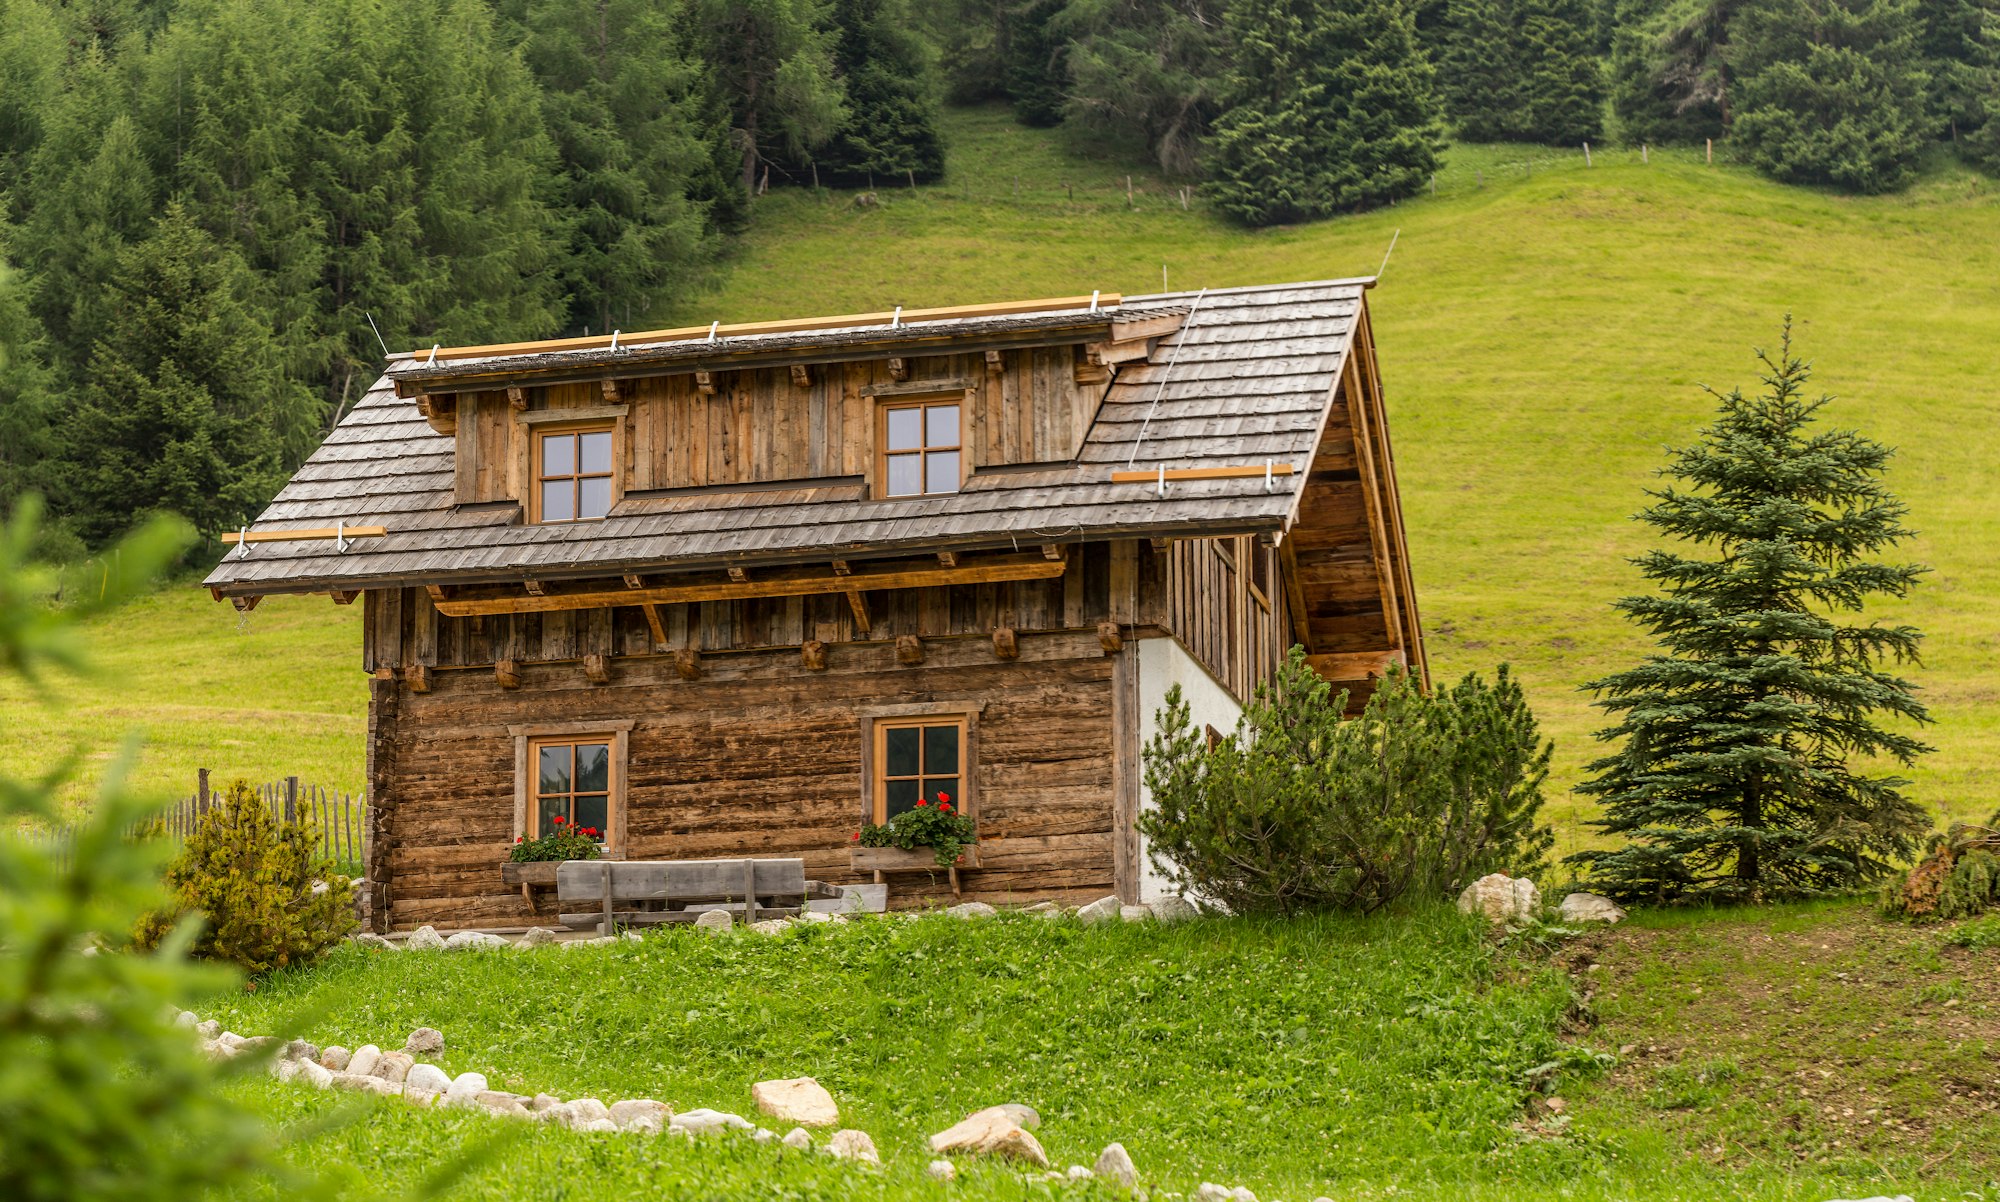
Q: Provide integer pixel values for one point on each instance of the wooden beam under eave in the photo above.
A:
(653, 624)
(1371, 498)
(793, 582)
(343, 596)
(1295, 595)
(1350, 667)
(245, 604)
(858, 602)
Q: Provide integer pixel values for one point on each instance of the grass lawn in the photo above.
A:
(1543, 326)
(1325, 1056)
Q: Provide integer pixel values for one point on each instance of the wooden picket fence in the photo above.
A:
(337, 820)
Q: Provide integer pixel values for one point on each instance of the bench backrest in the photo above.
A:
(681, 880)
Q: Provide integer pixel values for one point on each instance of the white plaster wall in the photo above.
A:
(1163, 664)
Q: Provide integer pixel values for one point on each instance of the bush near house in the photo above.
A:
(1300, 809)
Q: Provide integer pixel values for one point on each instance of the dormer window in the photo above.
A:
(921, 448)
(572, 474)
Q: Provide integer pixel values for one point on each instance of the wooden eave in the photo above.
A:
(414, 378)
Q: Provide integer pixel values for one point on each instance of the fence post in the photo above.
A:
(291, 801)
(201, 791)
(1586, 154)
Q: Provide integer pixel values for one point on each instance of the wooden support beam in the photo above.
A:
(319, 533)
(385, 673)
(704, 383)
(1161, 545)
(517, 399)
(899, 368)
(1124, 352)
(436, 591)
(245, 604)
(344, 596)
(738, 575)
(858, 602)
(1052, 551)
(634, 580)
(1295, 595)
(1110, 637)
(1201, 473)
(812, 654)
(597, 668)
(609, 390)
(508, 673)
(802, 375)
(1089, 367)
(948, 558)
(840, 568)
(1150, 325)
(909, 650)
(419, 676)
(995, 362)
(1357, 665)
(687, 662)
(779, 582)
(534, 587)
(653, 623)
(1006, 645)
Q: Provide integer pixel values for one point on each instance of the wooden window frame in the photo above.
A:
(527, 739)
(925, 400)
(542, 431)
(874, 722)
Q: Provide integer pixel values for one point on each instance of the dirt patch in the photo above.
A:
(1821, 1034)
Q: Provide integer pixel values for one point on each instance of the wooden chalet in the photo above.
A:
(729, 591)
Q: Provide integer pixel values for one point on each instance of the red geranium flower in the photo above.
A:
(856, 837)
(943, 797)
(921, 804)
(559, 819)
(944, 807)
(519, 838)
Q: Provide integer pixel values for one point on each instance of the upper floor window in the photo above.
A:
(572, 474)
(922, 451)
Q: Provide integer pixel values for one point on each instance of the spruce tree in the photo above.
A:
(1329, 107)
(771, 63)
(1562, 80)
(27, 401)
(185, 398)
(31, 80)
(1830, 91)
(1478, 77)
(1735, 778)
(1657, 96)
(1143, 75)
(1037, 70)
(891, 128)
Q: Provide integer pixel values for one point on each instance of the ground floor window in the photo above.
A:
(573, 786)
(917, 759)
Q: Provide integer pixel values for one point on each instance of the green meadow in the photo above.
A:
(1544, 326)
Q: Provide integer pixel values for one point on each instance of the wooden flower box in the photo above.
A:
(881, 860)
(540, 874)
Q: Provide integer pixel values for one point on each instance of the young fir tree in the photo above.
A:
(1830, 91)
(1143, 75)
(1329, 107)
(1037, 70)
(1479, 79)
(1735, 777)
(1562, 80)
(27, 395)
(890, 133)
(185, 398)
(771, 63)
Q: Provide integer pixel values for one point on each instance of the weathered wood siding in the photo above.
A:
(757, 756)
(1223, 598)
(759, 426)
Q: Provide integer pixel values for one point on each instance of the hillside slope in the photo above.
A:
(1543, 325)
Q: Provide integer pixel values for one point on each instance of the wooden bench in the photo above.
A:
(650, 892)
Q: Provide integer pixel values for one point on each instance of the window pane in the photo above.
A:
(592, 811)
(596, 451)
(905, 479)
(905, 429)
(594, 500)
(900, 751)
(941, 750)
(899, 796)
(551, 809)
(558, 501)
(554, 770)
(947, 785)
(941, 472)
(558, 454)
(941, 426)
(593, 767)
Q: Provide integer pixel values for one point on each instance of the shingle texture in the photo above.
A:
(1252, 374)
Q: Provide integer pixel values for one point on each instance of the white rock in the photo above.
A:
(559, 1114)
(1242, 1194)
(814, 916)
(1173, 908)
(770, 926)
(632, 937)
(544, 1101)
(393, 1067)
(231, 1040)
(1042, 907)
(704, 1121)
(849, 1144)
(1877, 1198)
(598, 1125)
(1115, 1165)
(714, 921)
(474, 941)
(536, 937)
(763, 1135)
(798, 1100)
(1589, 907)
(374, 942)
(364, 1060)
(972, 909)
(300, 1049)
(424, 1041)
(1021, 1113)
(464, 1089)
(208, 1029)
(1103, 909)
(941, 1170)
(1503, 900)
(285, 1070)
(1135, 913)
(426, 1078)
(1211, 1192)
(335, 1058)
(991, 1132)
(798, 1137)
(1078, 1173)
(586, 1110)
(424, 939)
(187, 1020)
(594, 941)
(631, 1110)
(315, 1074)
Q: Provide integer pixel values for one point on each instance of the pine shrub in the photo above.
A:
(1301, 809)
(1958, 878)
(269, 900)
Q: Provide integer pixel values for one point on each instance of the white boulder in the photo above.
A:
(1172, 908)
(424, 1041)
(374, 942)
(335, 1058)
(633, 1110)
(1589, 907)
(1104, 909)
(799, 1138)
(1115, 1165)
(801, 1101)
(991, 1132)
(849, 1144)
(474, 941)
(364, 1060)
(1502, 900)
(425, 1079)
(1135, 913)
(714, 921)
(704, 1121)
(972, 909)
(464, 1089)
(941, 1170)
(424, 939)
